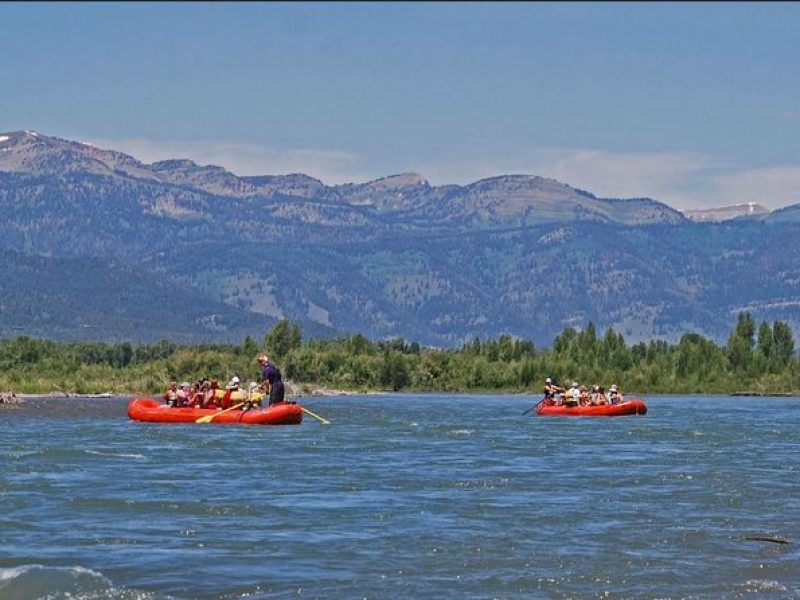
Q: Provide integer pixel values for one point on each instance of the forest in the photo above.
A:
(757, 358)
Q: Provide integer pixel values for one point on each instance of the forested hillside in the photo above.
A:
(126, 250)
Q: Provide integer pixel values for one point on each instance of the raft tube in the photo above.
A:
(634, 406)
(155, 411)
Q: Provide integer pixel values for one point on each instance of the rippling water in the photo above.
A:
(403, 496)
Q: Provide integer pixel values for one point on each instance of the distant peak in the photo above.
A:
(400, 180)
(515, 177)
(174, 163)
(19, 136)
(518, 179)
(725, 213)
(288, 177)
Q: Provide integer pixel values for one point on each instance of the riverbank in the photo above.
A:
(293, 390)
(11, 396)
(300, 390)
(8, 398)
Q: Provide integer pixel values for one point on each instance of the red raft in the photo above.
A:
(155, 411)
(634, 406)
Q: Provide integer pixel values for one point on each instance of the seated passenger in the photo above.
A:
(614, 395)
(230, 389)
(171, 395)
(210, 395)
(573, 395)
(199, 398)
(552, 393)
(191, 395)
(253, 396)
(184, 394)
(597, 396)
(583, 400)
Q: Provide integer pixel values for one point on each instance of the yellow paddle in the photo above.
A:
(321, 420)
(209, 418)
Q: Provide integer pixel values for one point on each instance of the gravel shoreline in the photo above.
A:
(293, 390)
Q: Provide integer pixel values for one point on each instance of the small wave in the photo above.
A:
(765, 585)
(57, 583)
(23, 570)
(462, 431)
(114, 454)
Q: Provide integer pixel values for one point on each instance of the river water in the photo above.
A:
(403, 496)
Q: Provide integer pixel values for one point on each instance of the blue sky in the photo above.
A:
(693, 104)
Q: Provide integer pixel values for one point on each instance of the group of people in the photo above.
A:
(580, 395)
(206, 393)
(10, 398)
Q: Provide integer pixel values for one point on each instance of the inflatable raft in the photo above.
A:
(634, 406)
(155, 411)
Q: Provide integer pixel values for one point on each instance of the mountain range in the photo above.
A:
(96, 244)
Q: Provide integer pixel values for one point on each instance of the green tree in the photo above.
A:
(394, 372)
(783, 343)
(740, 344)
(505, 348)
(282, 338)
(358, 344)
(563, 340)
(249, 347)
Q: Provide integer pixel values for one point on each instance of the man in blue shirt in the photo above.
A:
(270, 374)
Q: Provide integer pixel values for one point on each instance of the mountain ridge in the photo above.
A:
(218, 180)
(396, 256)
(37, 154)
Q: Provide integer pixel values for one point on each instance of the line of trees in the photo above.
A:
(758, 358)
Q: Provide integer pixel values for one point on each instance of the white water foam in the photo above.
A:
(73, 583)
(13, 572)
(114, 454)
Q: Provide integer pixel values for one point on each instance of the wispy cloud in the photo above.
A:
(683, 180)
(244, 158)
(771, 186)
(660, 175)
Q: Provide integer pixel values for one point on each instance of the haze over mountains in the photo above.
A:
(98, 245)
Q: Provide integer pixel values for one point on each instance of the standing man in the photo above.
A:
(271, 377)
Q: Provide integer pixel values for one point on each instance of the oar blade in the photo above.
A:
(322, 420)
(210, 418)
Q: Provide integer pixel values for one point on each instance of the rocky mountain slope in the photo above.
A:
(748, 210)
(393, 257)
